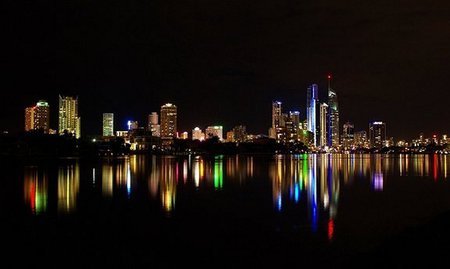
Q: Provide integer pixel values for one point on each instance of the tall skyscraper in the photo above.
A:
(153, 125)
(29, 118)
(168, 121)
(276, 131)
(312, 101)
(323, 141)
(377, 134)
(42, 116)
(333, 129)
(68, 116)
(108, 124)
(291, 126)
(38, 117)
(348, 135)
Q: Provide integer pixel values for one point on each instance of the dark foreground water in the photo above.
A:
(286, 210)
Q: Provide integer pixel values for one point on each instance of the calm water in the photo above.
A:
(233, 210)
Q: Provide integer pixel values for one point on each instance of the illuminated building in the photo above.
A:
(323, 141)
(132, 125)
(333, 129)
(276, 131)
(38, 117)
(184, 135)
(68, 116)
(42, 116)
(377, 134)
(230, 136)
(239, 134)
(292, 125)
(168, 121)
(361, 139)
(197, 134)
(312, 101)
(108, 124)
(348, 134)
(153, 125)
(29, 119)
(212, 131)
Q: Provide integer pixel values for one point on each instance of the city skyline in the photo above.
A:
(216, 55)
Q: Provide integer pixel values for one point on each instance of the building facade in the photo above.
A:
(333, 106)
(377, 134)
(168, 121)
(312, 101)
(69, 121)
(108, 124)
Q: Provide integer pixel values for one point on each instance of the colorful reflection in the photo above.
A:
(35, 190)
(377, 173)
(314, 180)
(163, 181)
(68, 187)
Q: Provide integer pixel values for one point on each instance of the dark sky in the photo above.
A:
(224, 61)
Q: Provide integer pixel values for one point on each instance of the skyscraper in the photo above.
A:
(38, 117)
(292, 124)
(68, 116)
(333, 129)
(153, 125)
(323, 141)
(168, 121)
(276, 131)
(377, 134)
(42, 116)
(29, 118)
(348, 135)
(108, 124)
(312, 101)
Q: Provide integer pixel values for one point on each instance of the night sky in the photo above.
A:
(223, 62)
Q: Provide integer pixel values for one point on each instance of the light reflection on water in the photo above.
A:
(314, 181)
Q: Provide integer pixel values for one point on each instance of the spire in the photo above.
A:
(329, 81)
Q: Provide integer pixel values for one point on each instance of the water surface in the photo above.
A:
(234, 210)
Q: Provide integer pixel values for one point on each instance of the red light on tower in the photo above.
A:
(329, 76)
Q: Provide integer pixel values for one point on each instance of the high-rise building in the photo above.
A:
(38, 117)
(312, 101)
(68, 116)
(212, 131)
(108, 124)
(292, 126)
(348, 135)
(29, 118)
(323, 141)
(153, 125)
(42, 116)
(377, 134)
(197, 134)
(168, 121)
(276, 131)
(333, 106)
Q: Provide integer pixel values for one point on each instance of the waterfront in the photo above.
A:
(242, 209)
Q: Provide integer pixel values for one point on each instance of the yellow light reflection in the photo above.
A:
(68, 187)
(107, 180)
